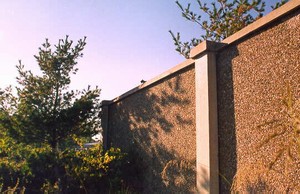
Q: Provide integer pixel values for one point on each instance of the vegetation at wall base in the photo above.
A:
(287, 129)
(290, 130)
(44, 125)
(90, 170)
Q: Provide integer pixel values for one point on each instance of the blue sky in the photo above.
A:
(127, 40)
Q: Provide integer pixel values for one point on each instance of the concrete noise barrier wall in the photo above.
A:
(225, 120)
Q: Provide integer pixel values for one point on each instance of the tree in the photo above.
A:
(45, 111)
(224, 19)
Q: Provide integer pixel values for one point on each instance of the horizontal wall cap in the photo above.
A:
(211, 46)
(152, 81)
(205, 46)
(272, 16)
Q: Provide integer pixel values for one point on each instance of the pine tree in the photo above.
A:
(45, 110)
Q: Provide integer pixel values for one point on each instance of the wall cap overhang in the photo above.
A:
(204, 47)
(211, 46)
(207, 46)
(271, 17)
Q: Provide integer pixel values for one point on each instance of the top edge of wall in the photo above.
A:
(165, 74)
(260, 23)
(271, 17)
(210, 46)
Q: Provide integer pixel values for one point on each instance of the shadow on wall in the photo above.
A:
(204, 181)
(253, 121)
(226, 118)
(156, 126)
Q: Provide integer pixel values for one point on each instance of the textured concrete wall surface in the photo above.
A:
(157, 126)
(257, 133)
(257, 140)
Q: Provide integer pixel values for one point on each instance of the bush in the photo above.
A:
(93, 170)
(90, 170)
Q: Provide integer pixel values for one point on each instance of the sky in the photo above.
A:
(127, 40)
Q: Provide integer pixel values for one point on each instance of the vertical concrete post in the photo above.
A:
(104, 122)
(206, 118)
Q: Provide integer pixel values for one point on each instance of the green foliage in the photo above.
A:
(87, 170)
(43, 127)
(94, 169)
(45, 111)
(20, 163)
(224, 19)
